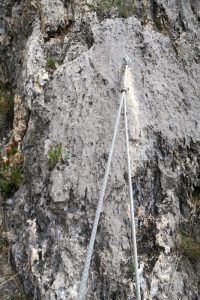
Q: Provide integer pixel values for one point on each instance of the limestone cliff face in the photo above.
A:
(65, 62)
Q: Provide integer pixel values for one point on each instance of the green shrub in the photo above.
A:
(13, 151)
(189, 247)
(125, 8)
(11, 160)
(51, 63)
(54, 155)
(10, 179)
(188, 242)
(122, 8)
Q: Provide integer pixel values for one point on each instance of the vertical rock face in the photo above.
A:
(69, 74)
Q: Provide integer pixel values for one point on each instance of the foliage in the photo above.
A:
(10, 180)
(188, 243)
(10, 170)
(189, 247)
(54, 155)
(24, 296)
(131, 269)
(51, 63)
(7, 277)
(122, 8)
(195, 202)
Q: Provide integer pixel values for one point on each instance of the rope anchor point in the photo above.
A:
(127, 61)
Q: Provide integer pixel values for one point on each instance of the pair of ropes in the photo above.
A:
(83, 284)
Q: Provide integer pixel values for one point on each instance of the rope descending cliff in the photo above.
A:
(90, 249)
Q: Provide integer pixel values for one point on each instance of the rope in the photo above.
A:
(132, 206)
(83, 284)
(99, 209)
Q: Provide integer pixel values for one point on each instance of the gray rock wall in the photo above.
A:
(52, 213)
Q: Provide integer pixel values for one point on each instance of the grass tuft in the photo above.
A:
(189, 247)
(188, 242)
(51, 63)
(54, 155)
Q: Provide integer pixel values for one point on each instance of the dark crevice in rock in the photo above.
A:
(59, 33)
(6, 109)
(87, 34)
(75, 33)
(159, 17)
(149, 184)
(148, 247)
(181, 22)
(195, 6)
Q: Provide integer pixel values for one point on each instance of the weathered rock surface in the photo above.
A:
(51, 215)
